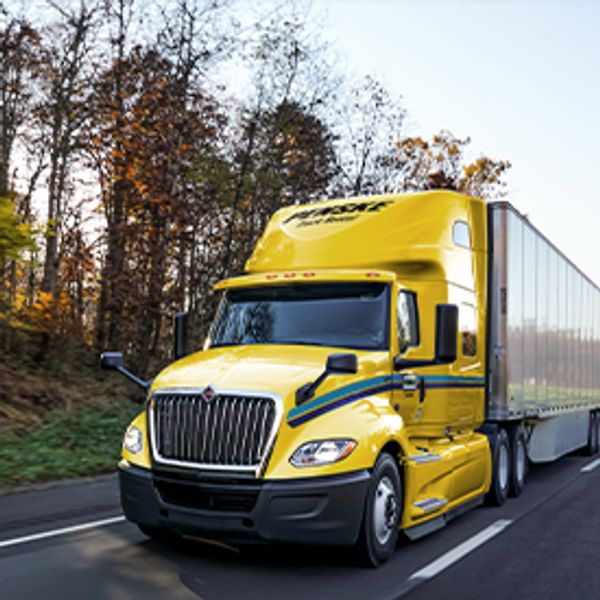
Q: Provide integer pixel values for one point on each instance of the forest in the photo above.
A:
(143, 147)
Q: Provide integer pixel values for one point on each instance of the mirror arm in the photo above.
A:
(307, 391)
(143, 384)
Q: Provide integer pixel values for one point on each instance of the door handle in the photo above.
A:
(412, 382)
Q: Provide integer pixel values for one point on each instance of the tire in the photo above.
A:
(592, 445)
(381, 518)
(500, 449)
(518, 460)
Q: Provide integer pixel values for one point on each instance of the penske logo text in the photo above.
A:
(336, 212)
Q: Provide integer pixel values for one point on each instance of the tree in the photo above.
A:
(293, 162)
(440, 164)
(60, 117)
(291, 84)
(367, 128)
(18, 48)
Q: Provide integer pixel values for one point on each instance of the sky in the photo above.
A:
(520, 78)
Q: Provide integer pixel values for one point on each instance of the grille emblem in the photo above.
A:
(208, 393)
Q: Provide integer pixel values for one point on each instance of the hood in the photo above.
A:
(279, 369)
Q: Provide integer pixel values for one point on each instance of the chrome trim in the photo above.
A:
(425, 458)
(256, 469)
(431, 504)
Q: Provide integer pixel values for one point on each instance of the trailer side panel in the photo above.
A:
(544, 338)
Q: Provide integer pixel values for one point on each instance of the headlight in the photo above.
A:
(322, 452)
(134, 440)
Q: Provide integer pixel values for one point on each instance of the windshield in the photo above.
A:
(348, 315)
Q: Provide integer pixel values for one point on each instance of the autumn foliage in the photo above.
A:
(134, 177)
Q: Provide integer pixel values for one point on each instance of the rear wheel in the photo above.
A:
(518, 459)
(383, 507)
(499, 446)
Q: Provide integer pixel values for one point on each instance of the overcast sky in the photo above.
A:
(522, 79)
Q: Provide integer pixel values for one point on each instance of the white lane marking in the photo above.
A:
(454, 555)
(591, 466)
(63, 531)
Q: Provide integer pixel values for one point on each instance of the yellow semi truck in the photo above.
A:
(383, 364)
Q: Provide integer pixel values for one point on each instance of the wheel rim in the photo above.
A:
(521, 460)
(385, 509)
(503, 467)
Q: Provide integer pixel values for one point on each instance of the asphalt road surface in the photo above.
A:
(70, 541)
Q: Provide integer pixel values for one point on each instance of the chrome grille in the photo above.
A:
(229, 430)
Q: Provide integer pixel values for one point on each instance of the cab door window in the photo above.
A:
(468, 329)
(408, 322)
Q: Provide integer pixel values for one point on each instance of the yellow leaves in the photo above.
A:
(45, 312)
(470, 170)
(439, 164)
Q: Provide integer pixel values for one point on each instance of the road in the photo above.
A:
(70, 541)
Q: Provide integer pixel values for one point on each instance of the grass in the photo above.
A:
(67, 444)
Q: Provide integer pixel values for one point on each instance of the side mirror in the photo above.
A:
(446, 333)
(111, 361)
(342, 363)
(336, 364)
(181, 335)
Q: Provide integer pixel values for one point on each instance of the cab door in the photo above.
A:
(409, 385)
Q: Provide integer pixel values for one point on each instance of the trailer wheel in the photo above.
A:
(499, 446)
(383, 507)
(592, 445)
(518, 459)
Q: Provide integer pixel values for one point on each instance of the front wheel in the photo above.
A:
(383, 507)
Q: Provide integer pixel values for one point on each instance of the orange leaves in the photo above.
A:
(439, 164)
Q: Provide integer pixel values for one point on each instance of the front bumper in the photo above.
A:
(317, 510)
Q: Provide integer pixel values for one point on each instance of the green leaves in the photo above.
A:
(15, 236)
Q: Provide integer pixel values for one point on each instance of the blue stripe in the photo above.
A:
(335, 394)
(362, 389)
(341, 402)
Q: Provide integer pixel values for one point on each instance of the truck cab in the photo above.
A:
(339, 396)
